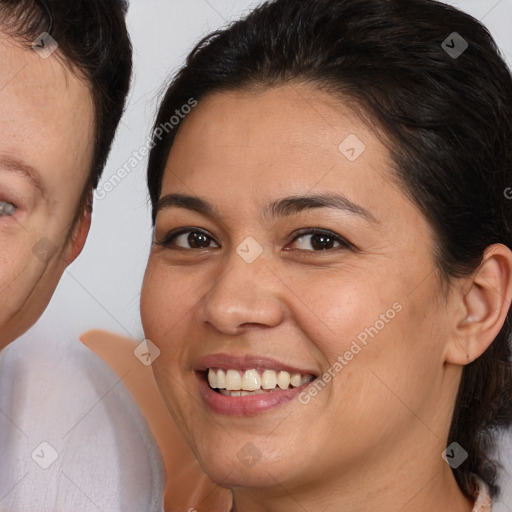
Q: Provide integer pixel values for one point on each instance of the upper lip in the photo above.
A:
(248, 362)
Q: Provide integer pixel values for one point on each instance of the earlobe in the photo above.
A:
(485, 305)
(80, 231)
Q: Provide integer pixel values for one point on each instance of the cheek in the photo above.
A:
(338, 309)
(374, 338)
(20, 266)
(166, 302)
(29, 272)
(396, 366)
(166, 298)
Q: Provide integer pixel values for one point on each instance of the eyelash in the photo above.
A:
(167, 240)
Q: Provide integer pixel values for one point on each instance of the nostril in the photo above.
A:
(251, 325)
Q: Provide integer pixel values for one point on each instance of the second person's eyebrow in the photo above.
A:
(18, 167)
(280, 208)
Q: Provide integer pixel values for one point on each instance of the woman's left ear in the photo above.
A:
(484, 304)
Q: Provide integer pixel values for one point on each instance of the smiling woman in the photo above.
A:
(345, 159)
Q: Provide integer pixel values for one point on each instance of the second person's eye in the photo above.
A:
(7, 209)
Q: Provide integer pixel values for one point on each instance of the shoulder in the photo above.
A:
(74, 436)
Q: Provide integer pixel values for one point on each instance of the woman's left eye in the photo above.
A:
(320, 241)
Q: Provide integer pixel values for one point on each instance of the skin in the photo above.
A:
(372, 438)
(47, 124)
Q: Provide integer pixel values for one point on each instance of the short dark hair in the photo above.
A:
(446, 119)
(93, 40)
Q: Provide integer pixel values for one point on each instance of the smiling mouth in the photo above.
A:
(235, 383)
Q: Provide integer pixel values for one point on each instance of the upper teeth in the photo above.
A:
(251, 380)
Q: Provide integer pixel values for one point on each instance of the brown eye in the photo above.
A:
(315, 241)
(188, 239)
(198, 240)
(322, 242)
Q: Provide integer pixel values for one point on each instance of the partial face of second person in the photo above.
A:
(47, 127)
(247, 275)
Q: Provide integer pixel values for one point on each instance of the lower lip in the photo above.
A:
(247, 405)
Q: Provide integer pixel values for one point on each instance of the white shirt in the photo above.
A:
(71, 436)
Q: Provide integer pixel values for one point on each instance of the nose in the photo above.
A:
(246, 296)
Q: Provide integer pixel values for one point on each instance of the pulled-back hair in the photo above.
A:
(93, 41)
(445, 118)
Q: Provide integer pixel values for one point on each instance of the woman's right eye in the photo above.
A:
(7, 209)
(187, 239)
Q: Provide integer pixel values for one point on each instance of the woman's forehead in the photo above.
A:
(292, 140)
(281, 131)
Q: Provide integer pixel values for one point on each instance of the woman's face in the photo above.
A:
(283, 244)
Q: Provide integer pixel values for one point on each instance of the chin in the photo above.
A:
(231, 473)
(241, 461)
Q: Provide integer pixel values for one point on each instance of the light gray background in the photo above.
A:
(101, 289)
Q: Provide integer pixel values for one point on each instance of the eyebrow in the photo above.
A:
(283, 207)
(22, 169)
